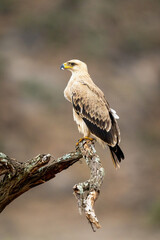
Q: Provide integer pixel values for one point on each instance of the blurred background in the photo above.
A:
(120, 42)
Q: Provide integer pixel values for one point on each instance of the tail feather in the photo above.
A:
(117, 155)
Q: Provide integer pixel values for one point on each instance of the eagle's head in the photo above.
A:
(74, 65)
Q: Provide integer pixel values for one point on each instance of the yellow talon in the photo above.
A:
(88, 138)
(81, 139)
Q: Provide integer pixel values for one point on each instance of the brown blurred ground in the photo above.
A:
(119, 40)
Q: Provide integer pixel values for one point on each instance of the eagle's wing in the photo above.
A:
(90, 104)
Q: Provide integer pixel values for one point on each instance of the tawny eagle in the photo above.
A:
(91, 110)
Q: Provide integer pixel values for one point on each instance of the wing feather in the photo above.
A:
(90, 104)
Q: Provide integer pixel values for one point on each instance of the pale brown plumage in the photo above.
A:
(91, 111)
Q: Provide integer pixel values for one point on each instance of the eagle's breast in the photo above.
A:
(67, 94)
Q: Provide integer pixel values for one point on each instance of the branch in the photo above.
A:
(87, 192)
(18, 177)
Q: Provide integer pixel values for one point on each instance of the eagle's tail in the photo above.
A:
(117, 155)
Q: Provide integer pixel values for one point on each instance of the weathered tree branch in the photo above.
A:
(18, 177)
(88, 191)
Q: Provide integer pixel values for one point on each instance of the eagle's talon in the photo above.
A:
(84, 138)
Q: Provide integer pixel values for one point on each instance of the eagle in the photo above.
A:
(91, 111)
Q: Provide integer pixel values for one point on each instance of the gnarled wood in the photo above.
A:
(87, 192)
(18, 177)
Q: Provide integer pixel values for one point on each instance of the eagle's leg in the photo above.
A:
(82, 127)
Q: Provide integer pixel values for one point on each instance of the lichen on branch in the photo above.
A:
(18, 177)
(87, 192)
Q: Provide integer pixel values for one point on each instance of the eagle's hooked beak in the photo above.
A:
(65, 66)
(62, 67)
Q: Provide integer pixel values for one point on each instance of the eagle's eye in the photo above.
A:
(72, 64)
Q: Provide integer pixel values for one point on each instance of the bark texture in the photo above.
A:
(18, 177)
(87, 192)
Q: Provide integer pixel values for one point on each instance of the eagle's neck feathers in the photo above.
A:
(77, 76)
